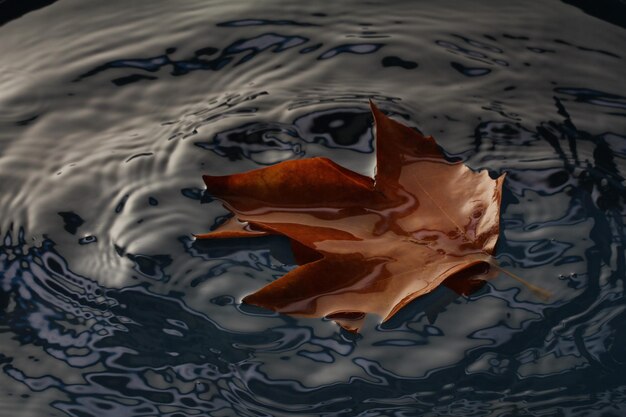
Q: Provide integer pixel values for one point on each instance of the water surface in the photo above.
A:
(110, 113)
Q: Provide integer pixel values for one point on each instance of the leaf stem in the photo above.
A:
(538, 291)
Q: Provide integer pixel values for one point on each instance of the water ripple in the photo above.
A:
(109, 307)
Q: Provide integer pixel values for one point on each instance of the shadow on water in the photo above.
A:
(612, 11)
(14, 9)
(595, 187)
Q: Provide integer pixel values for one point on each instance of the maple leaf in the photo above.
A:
(366, 245)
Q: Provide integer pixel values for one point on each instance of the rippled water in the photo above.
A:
(110, 112)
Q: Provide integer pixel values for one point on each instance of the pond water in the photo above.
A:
(110, 112)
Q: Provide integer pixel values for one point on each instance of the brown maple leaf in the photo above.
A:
(366, 245)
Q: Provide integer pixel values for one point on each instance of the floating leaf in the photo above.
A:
(366, 245)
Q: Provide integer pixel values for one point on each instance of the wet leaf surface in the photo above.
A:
(366, 245)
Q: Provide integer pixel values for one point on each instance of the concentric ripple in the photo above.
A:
(112, 112)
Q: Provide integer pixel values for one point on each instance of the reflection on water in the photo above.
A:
(237, 53)
(261, 142)
(108, 306)
(143, 353)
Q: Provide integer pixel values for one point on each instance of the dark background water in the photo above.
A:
(110, 112)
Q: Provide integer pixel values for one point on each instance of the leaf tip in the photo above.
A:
(374, 109)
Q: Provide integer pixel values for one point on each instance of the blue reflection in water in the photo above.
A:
(250, 46)
(135, 335)
(348, 128)
(245, 49)
(147, 346)
(355, 48)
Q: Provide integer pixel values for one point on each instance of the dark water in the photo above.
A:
(110, 112)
